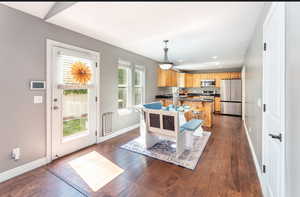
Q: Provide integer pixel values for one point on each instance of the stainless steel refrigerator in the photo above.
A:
(231, 97)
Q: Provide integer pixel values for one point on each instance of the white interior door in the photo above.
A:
(74, 104)
(274, 100)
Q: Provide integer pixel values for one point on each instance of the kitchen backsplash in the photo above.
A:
(164, 90)
(168, 90)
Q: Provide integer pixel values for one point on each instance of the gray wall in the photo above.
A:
(23, 58)
(253, 83)
(292, 99)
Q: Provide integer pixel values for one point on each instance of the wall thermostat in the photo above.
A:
(37, 85)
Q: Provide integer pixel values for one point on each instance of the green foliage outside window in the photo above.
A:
(122, 76)
(79, 91)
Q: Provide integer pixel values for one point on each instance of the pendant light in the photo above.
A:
(166, 64)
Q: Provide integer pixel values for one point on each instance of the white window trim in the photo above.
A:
(130, 86)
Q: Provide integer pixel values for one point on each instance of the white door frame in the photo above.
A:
(283, 85)
(50, 44)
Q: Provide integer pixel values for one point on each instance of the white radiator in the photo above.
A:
(107, 123)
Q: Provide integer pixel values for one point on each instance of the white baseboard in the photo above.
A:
(4, 176)
(258, 170)
(117, 133)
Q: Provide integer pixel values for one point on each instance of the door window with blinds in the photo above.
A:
(74, 87)
(75, 84)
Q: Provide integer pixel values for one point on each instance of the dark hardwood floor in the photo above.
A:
(225, 169)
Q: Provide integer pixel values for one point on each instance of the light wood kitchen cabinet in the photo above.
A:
(211, 76)
(166, 78)
(225, 75)
(161, 77)
(218, 77)
(171, 78)
(235, 75)
(189, 80)
(217, 104)
(197, 80)
(204, 76)
(181, 80)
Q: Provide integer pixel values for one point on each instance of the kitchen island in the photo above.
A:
(201, 108)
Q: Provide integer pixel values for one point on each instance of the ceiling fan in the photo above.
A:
(166, 64)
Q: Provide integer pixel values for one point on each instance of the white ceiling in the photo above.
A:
(39, 9)
(197, 30)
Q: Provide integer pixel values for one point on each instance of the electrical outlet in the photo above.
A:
(15, 154)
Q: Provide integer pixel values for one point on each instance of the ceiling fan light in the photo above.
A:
(165, 66)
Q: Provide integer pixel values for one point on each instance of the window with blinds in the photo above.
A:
(138, 87)
(65, 64)
(131, 85)
(123, 87)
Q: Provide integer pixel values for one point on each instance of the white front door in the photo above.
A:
(274, 100)
(74, 102)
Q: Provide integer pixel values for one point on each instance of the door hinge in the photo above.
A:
(96, 133)
(96, 64)
(265, 46)
(264, 107)
(264, 168)
(96, 98)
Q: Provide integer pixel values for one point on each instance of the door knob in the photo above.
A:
(55, 108)
(279, 137)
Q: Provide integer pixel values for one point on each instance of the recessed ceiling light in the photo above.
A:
(214, 57)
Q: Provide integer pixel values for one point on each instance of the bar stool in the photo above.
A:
(197, 115)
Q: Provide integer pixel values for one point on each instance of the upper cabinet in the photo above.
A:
(171, 78)
(235, 75)
(189, 80)
(166, 78)
(196, 80)
(181, 80)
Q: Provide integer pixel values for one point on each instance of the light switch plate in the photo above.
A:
(37, 99)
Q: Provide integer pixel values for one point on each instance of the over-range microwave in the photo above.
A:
(208, 83)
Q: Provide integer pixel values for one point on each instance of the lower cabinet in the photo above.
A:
(217, 104)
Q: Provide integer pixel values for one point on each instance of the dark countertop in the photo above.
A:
(167, 96)
(191, 99)
(196, 100)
